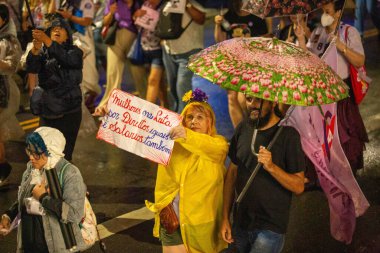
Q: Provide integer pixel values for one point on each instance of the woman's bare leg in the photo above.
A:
(154, 81)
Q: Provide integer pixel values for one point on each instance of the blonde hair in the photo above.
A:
(203, 107)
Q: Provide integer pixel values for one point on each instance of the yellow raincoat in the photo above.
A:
(195, 172)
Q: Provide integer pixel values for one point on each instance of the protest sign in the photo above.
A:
(149, 20)
(139, 127)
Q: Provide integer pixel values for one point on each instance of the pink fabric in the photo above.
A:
(320, 143)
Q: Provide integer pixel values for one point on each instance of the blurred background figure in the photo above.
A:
(152, 52)
(176, 53)
(362, 8)
(10, 54)
(122, 12)
(288, 34)
(100, 47)
(39, 9)
(238, 23)
(352, 132)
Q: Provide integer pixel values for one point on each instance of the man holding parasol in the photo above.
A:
(284, 73)
(260, 220)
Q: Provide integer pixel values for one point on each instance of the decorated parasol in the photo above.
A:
(270, 69)
(278, 8)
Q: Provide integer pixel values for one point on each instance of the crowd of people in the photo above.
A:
(63, 52)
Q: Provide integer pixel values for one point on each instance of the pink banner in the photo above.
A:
(320, 142)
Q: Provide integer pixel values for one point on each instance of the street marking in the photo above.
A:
(31, 126)
(123, 222)
(370, 33)
(26, 122)
(30, 123)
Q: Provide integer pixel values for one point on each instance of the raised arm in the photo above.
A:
(109, 14)
(219, 34)
(83, 21)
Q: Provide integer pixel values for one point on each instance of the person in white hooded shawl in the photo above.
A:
(40, 232)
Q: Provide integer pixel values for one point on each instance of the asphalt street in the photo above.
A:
(119, 183)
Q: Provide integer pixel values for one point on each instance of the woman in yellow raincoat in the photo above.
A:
(193, 181)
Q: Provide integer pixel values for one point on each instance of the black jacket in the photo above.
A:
(59, 69)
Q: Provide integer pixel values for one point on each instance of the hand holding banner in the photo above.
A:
(139, 127)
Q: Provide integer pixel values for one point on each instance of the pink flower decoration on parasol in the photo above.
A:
(264, 66)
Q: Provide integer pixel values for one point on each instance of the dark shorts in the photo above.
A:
(154, 57)
(170, 239)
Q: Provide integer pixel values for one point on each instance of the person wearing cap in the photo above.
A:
(10, 53)
(58, 64)
(39, 230)
(192, 183)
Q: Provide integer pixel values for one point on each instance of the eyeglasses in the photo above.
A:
(35, 155)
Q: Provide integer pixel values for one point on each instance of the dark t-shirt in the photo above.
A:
(266, 204)
(244, 26)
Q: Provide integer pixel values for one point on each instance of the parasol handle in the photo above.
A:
(255, 130)
(30, 14)
(340, 18)
(258, 166)
(253, 142)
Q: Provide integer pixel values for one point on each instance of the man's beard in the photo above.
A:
(263, 120)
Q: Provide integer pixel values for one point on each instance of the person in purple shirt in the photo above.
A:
(122, 11)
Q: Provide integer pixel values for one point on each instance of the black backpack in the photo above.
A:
(169, 26)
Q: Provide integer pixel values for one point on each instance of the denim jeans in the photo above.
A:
(257, 241)
(362, 7)
(179, 76)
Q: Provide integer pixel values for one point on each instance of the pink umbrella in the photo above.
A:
(278, 8)
(270, 69)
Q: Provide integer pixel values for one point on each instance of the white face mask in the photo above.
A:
(326, 20)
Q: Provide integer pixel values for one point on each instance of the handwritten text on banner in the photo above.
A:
(139, 127)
